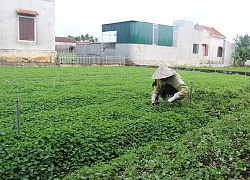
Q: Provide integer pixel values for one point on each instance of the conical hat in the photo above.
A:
(163, 72)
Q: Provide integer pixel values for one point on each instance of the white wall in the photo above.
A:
(215, 43)
(186, 39)
(147, 54)
(45, 24)
(247, 63)
(184, 24)
(229, 48)
(134, 53)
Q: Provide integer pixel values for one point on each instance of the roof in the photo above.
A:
(132, 21)
(213, 32)
(27, 11)
(120, 22)
(65, 39)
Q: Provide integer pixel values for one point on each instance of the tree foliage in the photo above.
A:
(242, 53)
(85, 38)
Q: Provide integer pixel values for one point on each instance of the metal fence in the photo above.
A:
(90, 60)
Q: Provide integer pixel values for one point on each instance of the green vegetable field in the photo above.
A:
(96, 122)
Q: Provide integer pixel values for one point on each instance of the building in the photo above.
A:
(27, 31)
(139, 42)
(136, 32)
(65, 44)
(144, 43)
(200, 45)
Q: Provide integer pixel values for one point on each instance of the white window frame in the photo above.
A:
(18, 16)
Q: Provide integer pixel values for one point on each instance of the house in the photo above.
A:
(27, 31)
(200, 45)
(65, 44)
(144, 43)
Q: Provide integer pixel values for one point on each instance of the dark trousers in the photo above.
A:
(168, 90)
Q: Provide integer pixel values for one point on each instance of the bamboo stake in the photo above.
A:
(17, 118)
(190, 94)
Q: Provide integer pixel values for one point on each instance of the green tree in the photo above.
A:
(242, 53)
(91, 39)
(82, 38)
(85, 37)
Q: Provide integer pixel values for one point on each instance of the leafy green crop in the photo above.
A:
(98, 119)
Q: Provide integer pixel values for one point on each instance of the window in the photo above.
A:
(195, 48)
(26, 24)
(219, 53)
(26, 28)
(205, 49)
(71, 49)
(109, 36)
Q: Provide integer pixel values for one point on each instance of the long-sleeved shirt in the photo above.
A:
(174, 81)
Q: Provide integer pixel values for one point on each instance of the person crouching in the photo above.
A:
(168, 83)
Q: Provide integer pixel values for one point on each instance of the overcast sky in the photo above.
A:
(77, 17)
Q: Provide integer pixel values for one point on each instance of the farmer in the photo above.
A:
(168, 82)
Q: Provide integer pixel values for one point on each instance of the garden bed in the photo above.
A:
(96, 122)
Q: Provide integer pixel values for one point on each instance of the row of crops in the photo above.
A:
(97, 123)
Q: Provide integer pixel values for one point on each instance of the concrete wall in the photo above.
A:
(136, 54)
(214, 45)
(27, 56)
(94, 49)
(186, 37)
(45, 30)
(229, 48)
(147, 54)
(65, 47)
(173, 56)
(184, 24)
(247, 63)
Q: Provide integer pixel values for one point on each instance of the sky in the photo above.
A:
(77, 17)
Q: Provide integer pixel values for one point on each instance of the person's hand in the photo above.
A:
(153, 99)
(175, 96)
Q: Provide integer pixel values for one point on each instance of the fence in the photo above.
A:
(90, 60)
